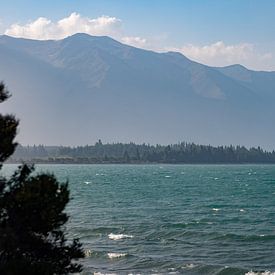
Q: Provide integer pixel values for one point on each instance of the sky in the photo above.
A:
(213, 32)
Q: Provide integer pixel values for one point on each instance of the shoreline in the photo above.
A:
(138, 163)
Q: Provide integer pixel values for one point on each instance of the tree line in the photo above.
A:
(183, 152)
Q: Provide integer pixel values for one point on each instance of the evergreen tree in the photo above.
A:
(137, 154)
(8, 129)
(126, 157)
(32, 237)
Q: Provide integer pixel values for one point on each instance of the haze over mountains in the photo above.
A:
(82, 88)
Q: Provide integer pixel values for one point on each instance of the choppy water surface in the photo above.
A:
(177, 219)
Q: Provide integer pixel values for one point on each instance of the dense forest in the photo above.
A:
(142, 153)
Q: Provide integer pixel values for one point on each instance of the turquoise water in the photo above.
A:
(177, 219)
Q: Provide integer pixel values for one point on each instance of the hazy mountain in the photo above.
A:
(81, 88)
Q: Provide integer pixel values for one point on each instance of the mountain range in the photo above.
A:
(83, 88)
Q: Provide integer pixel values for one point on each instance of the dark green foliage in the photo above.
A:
(144, 153)
(4, 93)
(32, 238)
(126, 157)
(32, 218)
(8, 129)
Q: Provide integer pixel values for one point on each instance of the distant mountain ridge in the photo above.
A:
(81, 88)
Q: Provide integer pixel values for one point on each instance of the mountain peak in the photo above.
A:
(86, 36)
(80, 35)
(236, 67)
(94, 79)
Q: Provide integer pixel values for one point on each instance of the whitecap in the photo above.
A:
(87, 182)
(87, 253)
(189, 266)
(260, 273)
(116, 255)
(242, 210)
(215, 209)
(216, 178)
(119, 236)
(167, 176)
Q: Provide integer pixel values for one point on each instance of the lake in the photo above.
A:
(172, 219)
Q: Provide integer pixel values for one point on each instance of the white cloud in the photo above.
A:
(43, 28)
(135, 41)
(220, 54)
(215, 54)
(219, 50)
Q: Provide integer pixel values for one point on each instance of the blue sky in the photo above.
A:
(214, 32)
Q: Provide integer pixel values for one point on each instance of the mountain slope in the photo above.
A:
(81, 88)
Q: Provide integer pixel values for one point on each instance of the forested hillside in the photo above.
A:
(142, 153)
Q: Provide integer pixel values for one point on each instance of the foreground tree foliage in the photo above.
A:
(32, 237)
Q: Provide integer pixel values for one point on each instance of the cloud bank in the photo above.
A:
(217, 51)
(135, 41)
(215, 54)
(220, 54)
(43, 28)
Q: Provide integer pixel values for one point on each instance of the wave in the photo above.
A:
(119, 236)
(149, 265)
(189, 266)
(218, 270)
(103, 229)
(260, 273)
(231, 236)
(87, 253)
(113, 255)
(101, 254)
